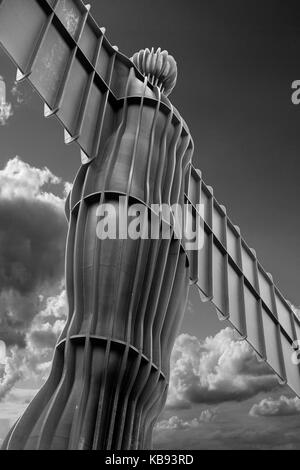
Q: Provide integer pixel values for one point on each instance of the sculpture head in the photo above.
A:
(158, 66)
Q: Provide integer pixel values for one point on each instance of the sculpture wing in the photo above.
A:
(58, 46)
(227, 273)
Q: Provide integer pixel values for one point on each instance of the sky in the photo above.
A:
(236, 64)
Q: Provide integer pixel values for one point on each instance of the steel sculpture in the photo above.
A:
(109, 378)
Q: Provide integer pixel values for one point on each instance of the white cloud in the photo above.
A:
(6, 112)
(282, 406)
(11, 373)
(48, 324)
(67, 188)
(55, 307)
(218, 369)
(20, 180)
(34, 361)
(5, 108)
(175, 422)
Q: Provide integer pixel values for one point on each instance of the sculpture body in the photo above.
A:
(126, 297)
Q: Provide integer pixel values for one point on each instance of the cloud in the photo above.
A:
(67, 188)
(34, 360)
(19, 180)
(11, 373)
(218, 369)
(5, 108)
(232, 428)
(6, 112)
(175, 422)
(48, 324)
(45, 337)
(32, 244)
(283, 406)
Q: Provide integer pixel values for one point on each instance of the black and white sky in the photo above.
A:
(237, 61)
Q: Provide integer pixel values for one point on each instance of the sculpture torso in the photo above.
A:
(126, 297)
